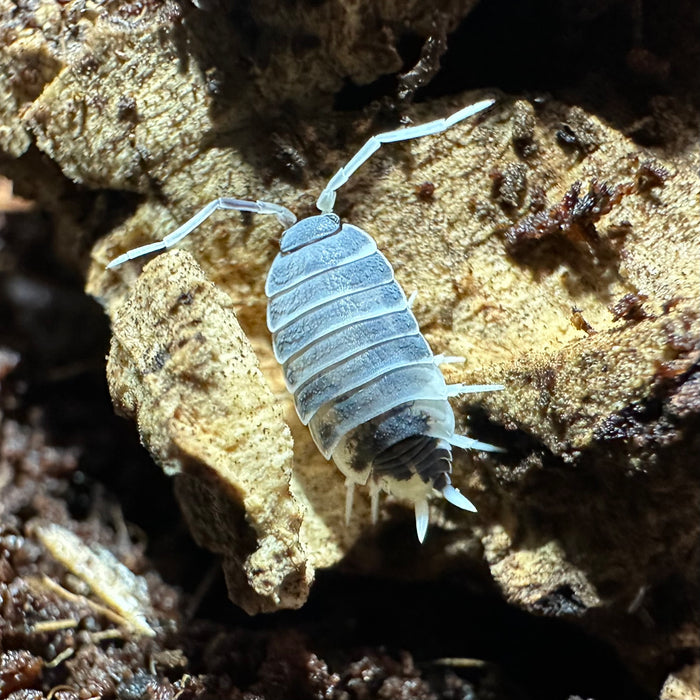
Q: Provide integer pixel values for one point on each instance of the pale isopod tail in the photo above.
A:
(422, 518)
(452, 495)
(456, 498)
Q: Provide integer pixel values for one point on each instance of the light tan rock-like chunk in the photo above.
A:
(181, 366)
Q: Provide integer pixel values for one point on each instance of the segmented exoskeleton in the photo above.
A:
(363, 377)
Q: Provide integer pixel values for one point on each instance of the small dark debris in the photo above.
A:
(566, 137)
(378, 675)
(425, 191)
(320, 681)
(87, 65)
(619, 230)
(629, 422)
(126, 109)
(630, 308)
(290, 669)
(215, 81)
(509, 185)
(538, 199)
(185, 298)
(579, 322)
(574, 217)
(562, 601)
(290, 157)
(579, 133)
(598, 201)
(685, 401)
(131, 9)
(650, 175)
(145, 685)
(159, 359)
(18, 669)
(523, 129)
(671, 304)
(545, 380)
(427, 65)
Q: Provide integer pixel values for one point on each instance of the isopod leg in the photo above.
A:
(285, 217)
(349, 499)
(467, 443)
(326, 200)
(449, 360)
(457, 389)
(374, 502)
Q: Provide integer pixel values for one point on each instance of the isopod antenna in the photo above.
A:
(326, 200)
(284, 216)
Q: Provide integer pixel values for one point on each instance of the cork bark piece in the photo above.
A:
(182, 368)
(551, 249)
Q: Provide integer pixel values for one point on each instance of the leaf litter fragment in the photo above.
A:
(116, 585)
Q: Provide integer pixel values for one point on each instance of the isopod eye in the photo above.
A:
(309, 230)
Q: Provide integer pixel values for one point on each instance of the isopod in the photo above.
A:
(363, 377)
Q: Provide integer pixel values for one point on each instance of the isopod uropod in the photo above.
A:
(363, 377)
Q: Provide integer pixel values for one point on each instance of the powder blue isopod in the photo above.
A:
(363, 377)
